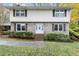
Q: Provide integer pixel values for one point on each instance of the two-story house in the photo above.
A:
(39, 18)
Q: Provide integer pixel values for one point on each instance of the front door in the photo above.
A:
(39, 29)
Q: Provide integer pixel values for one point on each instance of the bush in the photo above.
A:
(57, 37)
(76, 29)
(5, 32)
(73, 33)
(21, 34)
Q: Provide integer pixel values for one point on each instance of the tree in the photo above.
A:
(3, 17)
(74, 11)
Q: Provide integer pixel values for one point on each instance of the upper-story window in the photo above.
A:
(20, 13)
(59, 13)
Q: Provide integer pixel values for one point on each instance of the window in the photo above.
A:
(59, 13)
(20, 13)
(59, 27)
(56, 27)
(21, 27)
(18, 27)
(17, 13)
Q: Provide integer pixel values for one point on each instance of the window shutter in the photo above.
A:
(53, 13)
(25, 13)
(64, 27)
(14, 26)
(26, 27)
(65, 13)
(52, 27)
(14, 12)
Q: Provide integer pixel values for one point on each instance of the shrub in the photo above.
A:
(73, 33)
(76, 29)
(57, 37)
(21, 34)
(5, 32)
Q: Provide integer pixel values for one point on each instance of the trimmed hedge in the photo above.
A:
(57, 37)
(28, 35)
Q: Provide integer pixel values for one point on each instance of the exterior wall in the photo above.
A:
(47, 28)
(12, 26)
(39, 16)
(31, 27)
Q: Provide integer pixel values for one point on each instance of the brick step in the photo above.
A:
(39, 37)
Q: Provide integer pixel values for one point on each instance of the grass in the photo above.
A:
(50, 49)
(17, 40)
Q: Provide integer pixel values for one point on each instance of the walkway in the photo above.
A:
(37, 44)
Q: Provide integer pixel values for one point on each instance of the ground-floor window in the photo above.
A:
(6, 28)
(20, 27)
(59, 27)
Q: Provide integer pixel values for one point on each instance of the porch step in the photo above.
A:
(39, 37)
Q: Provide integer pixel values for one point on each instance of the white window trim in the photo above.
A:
(60, 11)
(58, 28)
(19, 13)
(21, 27)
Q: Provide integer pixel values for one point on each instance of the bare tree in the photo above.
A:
(3, 16)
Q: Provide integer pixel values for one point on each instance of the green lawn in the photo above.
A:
(51, 48)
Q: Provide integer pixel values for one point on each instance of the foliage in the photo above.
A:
(73, 34)
(73, 25)
(76, 29)
(3, 17)
(21, 34)
(74, 10)
(57, 37)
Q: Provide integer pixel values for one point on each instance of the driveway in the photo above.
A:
(37, 44)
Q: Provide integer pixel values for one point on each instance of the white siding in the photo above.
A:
(40, 16)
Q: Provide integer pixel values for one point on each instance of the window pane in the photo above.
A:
(18, 27)
(60, 27)
(61, 10)
(17, 11)
(56, 27)
(22, 10)
(57, 10)
(17, 14)
(22, 14)
(23, 28)
(59, 13)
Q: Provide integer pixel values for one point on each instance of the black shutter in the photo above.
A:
(52, 27)
(53, 13)
(25, 13)
(14, 26)
(26, 27)
(65, 13)
(14, 12)
(64, 27)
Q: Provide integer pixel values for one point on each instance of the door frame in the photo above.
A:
(38, 24)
